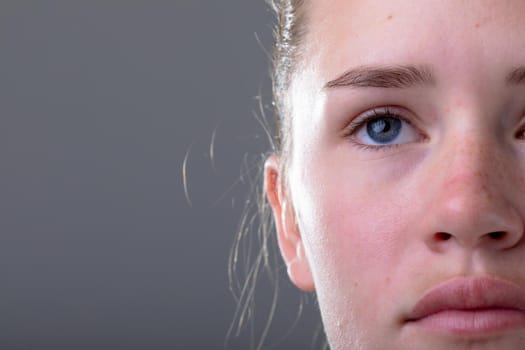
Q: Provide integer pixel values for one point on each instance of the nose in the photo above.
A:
(474, 201)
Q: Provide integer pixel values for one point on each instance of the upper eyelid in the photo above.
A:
(376, 112)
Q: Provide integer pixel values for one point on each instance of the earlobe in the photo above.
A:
(288, 233)
(299, 270)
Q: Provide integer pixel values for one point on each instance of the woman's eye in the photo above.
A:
(382, 129)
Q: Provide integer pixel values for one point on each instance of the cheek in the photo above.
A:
(353, 217)
(355, 232)
(355, 235)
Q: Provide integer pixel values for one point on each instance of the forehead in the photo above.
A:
(456, 35)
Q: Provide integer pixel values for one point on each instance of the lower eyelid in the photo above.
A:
(377, 147)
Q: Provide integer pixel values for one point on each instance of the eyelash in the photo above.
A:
(370, 115)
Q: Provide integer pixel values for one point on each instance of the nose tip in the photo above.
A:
(474, 204)
(475, 218)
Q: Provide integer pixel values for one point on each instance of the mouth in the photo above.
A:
(468, 306)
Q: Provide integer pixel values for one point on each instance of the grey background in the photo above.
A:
(100, 102)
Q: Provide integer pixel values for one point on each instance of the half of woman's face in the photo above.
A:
(407, 172)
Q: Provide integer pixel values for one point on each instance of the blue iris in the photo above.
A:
(383, 129)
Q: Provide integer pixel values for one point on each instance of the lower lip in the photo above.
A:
(473, 322)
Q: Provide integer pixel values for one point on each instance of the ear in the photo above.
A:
(288, 234)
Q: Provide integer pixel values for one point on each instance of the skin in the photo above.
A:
(359, 226)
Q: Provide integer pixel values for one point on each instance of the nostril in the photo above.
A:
(442, 236)
(497, 235)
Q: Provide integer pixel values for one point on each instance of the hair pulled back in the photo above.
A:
(289, 33)
(254, 253)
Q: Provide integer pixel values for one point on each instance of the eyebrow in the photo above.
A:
(399, 76)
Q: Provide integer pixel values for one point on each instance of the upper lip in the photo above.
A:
(469, 293)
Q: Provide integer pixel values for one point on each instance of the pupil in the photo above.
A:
(383, 130)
